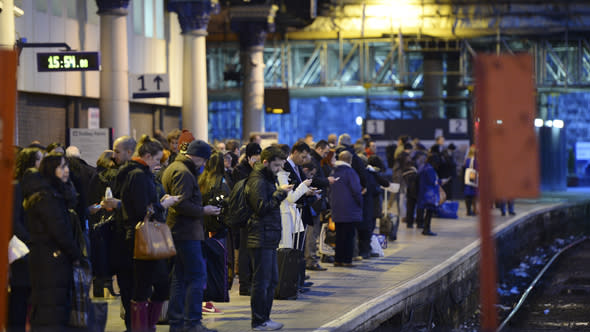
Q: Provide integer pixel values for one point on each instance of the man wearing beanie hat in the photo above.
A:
(186, 223)
(241, 171)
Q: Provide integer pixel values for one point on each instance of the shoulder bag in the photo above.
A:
(471, 175)
(153, 240)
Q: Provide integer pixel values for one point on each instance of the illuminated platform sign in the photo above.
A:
(68, 61)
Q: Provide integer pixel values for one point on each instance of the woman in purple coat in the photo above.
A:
(346, 200)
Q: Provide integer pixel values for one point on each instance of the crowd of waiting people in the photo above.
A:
(290, 191)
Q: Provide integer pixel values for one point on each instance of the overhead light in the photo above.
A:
(548, 123)
(538, 123)
(359, 121)
(18, 12)
(558, 123)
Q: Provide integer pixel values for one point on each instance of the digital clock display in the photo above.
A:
(68, 61)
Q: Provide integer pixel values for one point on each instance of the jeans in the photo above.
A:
(265, 278)
(189, 278)
(245, 262)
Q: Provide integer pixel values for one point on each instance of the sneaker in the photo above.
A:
(209, 308)
(200, 328)
(269, 325)
(315, 267)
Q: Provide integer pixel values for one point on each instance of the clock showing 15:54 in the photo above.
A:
(68, 61)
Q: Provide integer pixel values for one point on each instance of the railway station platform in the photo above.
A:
(413, 269)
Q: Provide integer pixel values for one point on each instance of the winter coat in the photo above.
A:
(410, 178)
(19, 269)
(185, 218)
(290, 215)
(136, 188)
(53, 248)
(241, 171)
(264, 198)
(215, 223)
(428, 189)
(345, 194)
(81, 173)
(304, 202)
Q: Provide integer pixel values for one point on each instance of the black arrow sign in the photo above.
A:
(158, 79)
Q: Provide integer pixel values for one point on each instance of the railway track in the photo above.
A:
(558, 299)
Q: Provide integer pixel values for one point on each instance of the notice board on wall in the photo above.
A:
(91, 142)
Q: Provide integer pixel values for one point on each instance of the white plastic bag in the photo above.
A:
(17, 249)
(376, 246)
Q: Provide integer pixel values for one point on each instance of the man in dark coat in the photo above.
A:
(185, 221)
(242, 171)
(322, 182)
(298, 157)
(264, 234)
(347, 207)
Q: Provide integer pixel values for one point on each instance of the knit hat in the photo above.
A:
(184, 140)
(253, 149)
(199, 149)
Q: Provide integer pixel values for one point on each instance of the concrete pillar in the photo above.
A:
(252, 37)
(252, 22)
(7, 34)
(433, 92)
(193, 17)
(114, 74)
(455, 106)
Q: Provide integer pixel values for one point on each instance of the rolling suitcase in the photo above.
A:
(289, 261)
(389, 223)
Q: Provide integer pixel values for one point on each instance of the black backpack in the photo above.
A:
(238, 210)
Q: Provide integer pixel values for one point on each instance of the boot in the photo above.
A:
(139, 316)
(154, 312)
(427, 221)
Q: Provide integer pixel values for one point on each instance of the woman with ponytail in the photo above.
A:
(135, 186)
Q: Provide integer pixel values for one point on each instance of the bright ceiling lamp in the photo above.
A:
(392, 15)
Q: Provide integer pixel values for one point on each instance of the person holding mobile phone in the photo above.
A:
(185, 219)
(264, 233)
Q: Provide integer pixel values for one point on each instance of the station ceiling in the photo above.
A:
(446, 19)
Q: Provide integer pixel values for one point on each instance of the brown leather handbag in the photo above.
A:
(153, 240)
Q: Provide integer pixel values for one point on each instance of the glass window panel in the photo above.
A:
(91, 9)
(41, 6)
(71, 9)
(160, 19)
(149, 18)
(57, 8)
(137, 17)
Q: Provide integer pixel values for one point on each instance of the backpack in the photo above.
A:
(238, 210)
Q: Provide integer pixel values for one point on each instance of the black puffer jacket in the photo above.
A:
(264, 226)
(53, 248)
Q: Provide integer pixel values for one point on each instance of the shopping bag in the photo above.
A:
(448, 210)
(376, 246)
(80, 299)
(17, 249)
(153, 240)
